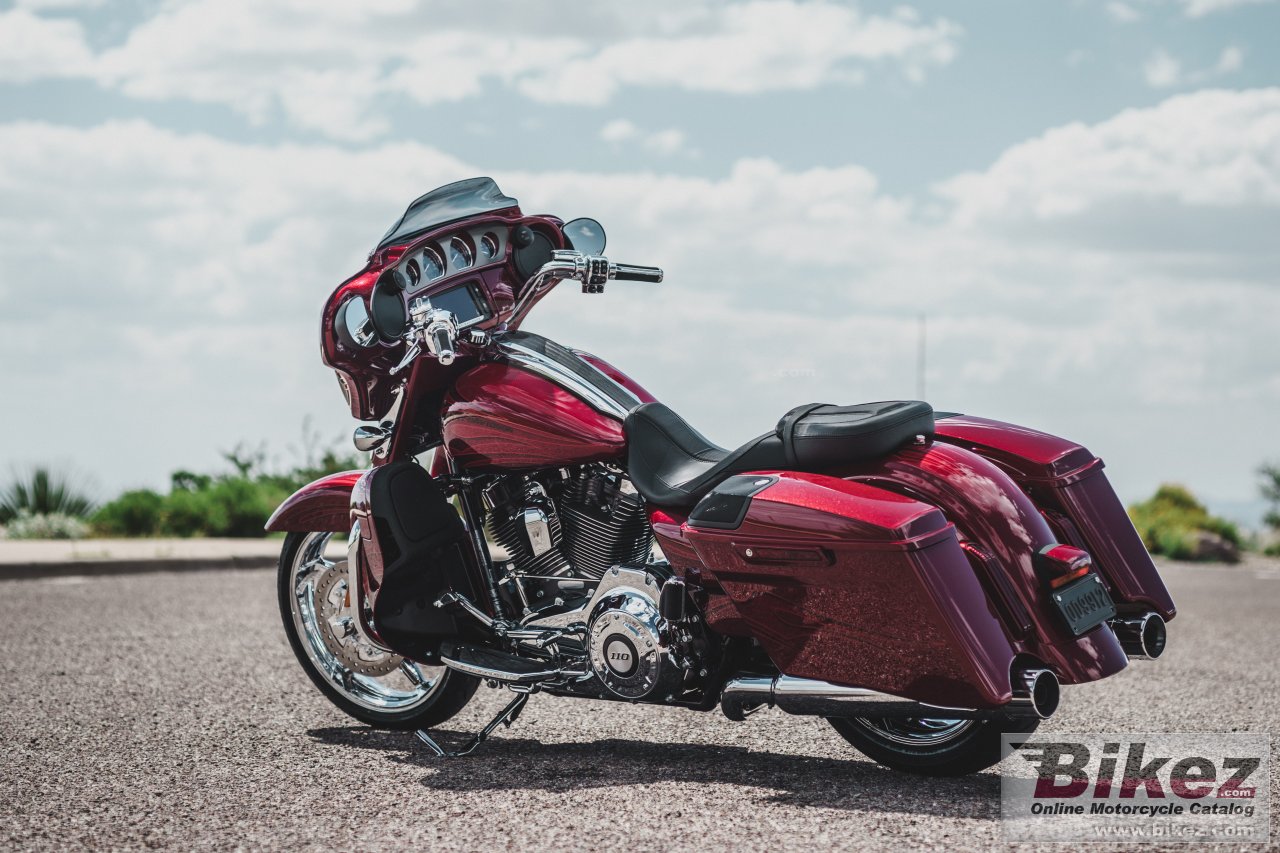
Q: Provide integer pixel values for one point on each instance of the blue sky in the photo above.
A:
(1082, 196)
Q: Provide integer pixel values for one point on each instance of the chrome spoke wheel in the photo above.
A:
(916, 731)
(324, 615)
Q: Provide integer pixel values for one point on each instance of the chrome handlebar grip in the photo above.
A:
(440, 342)
(439, 332)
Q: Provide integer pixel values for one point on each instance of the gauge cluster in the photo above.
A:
(453, 254)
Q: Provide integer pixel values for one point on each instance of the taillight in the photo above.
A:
(1061, 564)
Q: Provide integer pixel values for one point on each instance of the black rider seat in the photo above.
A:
(673, 465)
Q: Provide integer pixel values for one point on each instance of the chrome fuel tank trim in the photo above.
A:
(563, 367)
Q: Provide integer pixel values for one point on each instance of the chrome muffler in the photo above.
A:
(1142, 637)
(1035, 694)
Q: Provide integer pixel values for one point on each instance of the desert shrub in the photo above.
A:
(1173, 523)
(52, 525)
(242, 506)
(43, 492)
(235, 504)
(191, 513)
(135, 513)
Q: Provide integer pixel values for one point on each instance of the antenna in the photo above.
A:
(922, 355)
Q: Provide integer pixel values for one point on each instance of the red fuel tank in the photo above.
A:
(502, 417)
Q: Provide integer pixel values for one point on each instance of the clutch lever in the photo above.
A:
(432, 329)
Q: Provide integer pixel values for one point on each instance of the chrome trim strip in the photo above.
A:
(536, 362)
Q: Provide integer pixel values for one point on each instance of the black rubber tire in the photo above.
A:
(449, 699)
(976, 749)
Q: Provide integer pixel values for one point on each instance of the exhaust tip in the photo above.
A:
(1045, 693)
(1153, 635)
(1036, 693)
(1142, 637)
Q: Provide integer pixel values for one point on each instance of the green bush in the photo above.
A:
(135, 513)
(1172, 522)
(234, 504)
(191, 514)
(242, 506)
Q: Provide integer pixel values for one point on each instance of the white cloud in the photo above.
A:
(619, 130)
(1200, 8)
(1230, 61)
(63, 5)
(664, 142)
(337, 68)
(1162, 70)
(669, 141)
(1212, 149)
(1122, 13)
(34, 47)
(1145, 241)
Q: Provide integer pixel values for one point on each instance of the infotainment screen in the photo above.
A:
(466, 305)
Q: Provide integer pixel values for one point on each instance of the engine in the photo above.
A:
(578, 525)
(578, 546)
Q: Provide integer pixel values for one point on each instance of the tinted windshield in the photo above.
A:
(447, 204)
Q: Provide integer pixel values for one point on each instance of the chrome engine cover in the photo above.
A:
(628, 650)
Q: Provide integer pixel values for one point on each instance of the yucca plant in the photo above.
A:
(43, 492)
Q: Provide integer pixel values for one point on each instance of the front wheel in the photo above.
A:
(928, 746)
(370, 683)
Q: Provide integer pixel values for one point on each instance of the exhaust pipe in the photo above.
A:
(1035, 695)
(1142, 637)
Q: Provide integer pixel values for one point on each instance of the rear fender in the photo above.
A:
(322, 505)
(1005, 530)
(1067, 484)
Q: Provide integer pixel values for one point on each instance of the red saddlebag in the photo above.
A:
(852, 584)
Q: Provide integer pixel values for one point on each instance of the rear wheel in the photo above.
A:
(931, 746)
(368, 682)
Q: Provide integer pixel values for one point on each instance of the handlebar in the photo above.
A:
(631, 272)
(441, 343)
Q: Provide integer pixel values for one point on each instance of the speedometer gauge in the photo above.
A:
(488, 247)
(460, 257)
(432, 265)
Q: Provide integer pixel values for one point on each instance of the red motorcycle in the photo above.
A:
(924, 580)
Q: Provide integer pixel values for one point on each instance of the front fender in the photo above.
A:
(324, 504)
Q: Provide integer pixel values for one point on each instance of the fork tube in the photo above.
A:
(469, 502)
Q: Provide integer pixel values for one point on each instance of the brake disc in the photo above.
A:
(336, 617)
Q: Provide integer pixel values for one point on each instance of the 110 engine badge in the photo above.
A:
(627, 651)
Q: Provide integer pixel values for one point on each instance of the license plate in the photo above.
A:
(1084, 603)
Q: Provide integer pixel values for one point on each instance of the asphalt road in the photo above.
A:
(166, 710)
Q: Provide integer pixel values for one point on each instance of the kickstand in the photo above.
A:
(505, 717)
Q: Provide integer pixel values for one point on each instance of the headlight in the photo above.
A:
(353, 323)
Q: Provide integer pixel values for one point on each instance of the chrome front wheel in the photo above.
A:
(367, 681)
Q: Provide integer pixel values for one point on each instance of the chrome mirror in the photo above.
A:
(585, 235)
